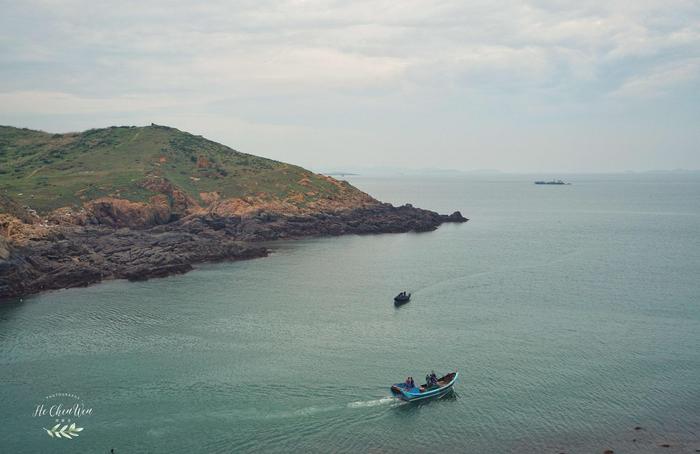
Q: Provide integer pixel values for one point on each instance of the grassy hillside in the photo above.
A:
(47, 171)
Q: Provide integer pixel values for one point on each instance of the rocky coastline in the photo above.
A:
(142, 202)
(66, 255)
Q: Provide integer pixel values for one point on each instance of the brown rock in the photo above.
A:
(125, 213)
(9, 207)
(209, 197)
(16, 231)
(202, 162)
(180, 204)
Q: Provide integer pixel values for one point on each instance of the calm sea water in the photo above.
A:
(571, 312)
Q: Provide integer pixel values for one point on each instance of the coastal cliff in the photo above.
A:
(137, 203)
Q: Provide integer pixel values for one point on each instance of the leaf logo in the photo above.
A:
(63, 432)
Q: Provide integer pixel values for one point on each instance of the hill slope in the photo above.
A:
(49, 171)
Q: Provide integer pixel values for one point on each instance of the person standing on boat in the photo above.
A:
(431, 379)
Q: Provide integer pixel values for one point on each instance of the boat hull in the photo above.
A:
(402, 299)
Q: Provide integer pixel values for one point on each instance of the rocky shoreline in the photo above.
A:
(66, 256)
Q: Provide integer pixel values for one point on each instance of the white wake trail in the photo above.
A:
(374, 403)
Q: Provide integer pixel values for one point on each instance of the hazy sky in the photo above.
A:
(540, 85)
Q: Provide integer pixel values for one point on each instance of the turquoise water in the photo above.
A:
(571, 312)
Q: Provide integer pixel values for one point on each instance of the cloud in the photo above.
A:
(244, 46)
(419, 67)
(661, 79)
(60, 103)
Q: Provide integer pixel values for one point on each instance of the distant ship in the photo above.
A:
(551, 182)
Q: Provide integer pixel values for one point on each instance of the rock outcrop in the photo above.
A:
(72, 255)
(80, 256)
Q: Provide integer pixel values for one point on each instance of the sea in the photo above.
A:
(572, 314)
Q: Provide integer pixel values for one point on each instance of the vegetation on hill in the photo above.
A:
(47, 171)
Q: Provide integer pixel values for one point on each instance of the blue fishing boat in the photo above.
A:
(410, 393)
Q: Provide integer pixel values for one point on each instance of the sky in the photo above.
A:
(519, 86)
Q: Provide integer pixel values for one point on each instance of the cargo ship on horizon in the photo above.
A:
(551, 182)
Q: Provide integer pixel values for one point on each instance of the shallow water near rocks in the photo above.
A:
(571, 312)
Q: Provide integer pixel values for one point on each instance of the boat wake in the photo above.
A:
(374, 403)
(308, 411)
(316, 410)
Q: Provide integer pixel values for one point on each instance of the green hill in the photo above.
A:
(47, 171)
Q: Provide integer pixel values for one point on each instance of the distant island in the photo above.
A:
(141, 202)
(340, 174)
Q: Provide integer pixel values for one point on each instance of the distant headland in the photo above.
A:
(140, 202)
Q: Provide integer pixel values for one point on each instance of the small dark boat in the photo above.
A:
(443, 386)
(402, 298)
